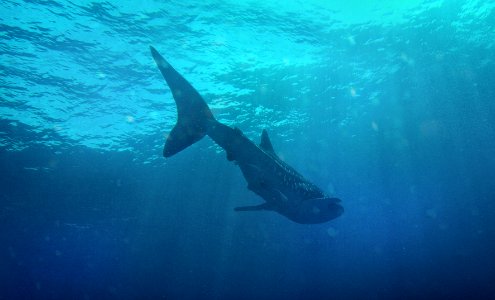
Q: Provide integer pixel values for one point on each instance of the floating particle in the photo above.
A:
(353, 92)
(432, 213)
(332, 232)
(374, 126)
(351, 40)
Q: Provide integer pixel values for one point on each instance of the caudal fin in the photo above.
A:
(193, 112)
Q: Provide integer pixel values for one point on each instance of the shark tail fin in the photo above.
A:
(194, 115)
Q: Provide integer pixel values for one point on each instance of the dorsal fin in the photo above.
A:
(265, 143)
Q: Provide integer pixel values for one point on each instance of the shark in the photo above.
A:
(282, 188)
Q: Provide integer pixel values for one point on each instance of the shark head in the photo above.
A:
(319, 210)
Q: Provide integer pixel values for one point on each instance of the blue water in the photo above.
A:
(388, 105)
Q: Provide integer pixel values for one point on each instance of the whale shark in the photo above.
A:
(282, 188)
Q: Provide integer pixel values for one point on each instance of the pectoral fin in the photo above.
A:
(264, 206)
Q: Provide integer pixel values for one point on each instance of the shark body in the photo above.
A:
(284, 190)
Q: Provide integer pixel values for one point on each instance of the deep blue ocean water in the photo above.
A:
(389, 105)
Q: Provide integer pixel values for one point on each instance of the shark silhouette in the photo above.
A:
(284, 190)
